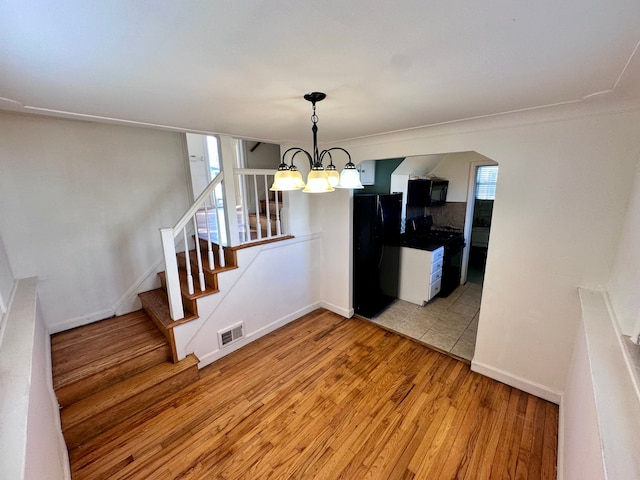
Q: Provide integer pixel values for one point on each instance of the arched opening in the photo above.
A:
(440, 290)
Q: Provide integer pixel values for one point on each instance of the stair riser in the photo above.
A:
(230, 259)
(253, 222)
(106, 348)
(104, 419)
(84, 387)
(210, 279)
(272, 207)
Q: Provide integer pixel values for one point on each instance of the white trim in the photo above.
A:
(561, 446)
(129, 295)
(468, 217)
(343, 312)
(81, 320)
(134, 289)
(616, 397)
(4, 313)
(517, 382)
(218, 354)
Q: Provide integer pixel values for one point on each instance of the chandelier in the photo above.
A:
(320, 179)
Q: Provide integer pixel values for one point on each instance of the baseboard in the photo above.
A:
(81, 320)
(208, 358)
(517, 382)
(343, 312)
(127, 303)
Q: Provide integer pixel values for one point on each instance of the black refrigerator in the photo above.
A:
(376, 251)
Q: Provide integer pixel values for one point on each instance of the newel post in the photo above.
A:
(171, 273)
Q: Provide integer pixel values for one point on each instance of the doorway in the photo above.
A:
(486, 178)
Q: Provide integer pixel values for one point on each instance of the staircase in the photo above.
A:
(261, 222)
(106, 372)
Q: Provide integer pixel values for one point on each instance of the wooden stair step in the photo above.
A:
(156, 304)
(81, 383)
(184, 286)
(182, 264)
(253, 222)
(113, 343)
(230, 258)
(95, 356)
(106, 408)
(81, 335)
(272, 207)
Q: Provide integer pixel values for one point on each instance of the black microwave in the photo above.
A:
(425, 192)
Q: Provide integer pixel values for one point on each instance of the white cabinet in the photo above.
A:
(420, 274)
(367, 171)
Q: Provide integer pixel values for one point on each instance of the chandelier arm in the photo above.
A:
(297, 151)
(350, 163)
(326, 152)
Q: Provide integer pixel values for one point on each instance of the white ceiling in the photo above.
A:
(241, 67)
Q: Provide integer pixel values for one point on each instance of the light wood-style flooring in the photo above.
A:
(328, 398)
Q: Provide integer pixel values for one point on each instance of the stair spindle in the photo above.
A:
(199, 255)
(278, 226)
(257, 204)
(188, 262)
(209, 249)
(268, 213)
(218, 226)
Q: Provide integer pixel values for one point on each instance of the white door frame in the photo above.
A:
(468, 220)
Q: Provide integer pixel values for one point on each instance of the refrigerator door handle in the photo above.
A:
(382, 231)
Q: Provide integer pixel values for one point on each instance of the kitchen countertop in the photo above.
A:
(420, 244)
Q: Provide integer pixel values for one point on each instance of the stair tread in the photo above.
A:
(116, 342)
(194, 264)
(90, 368)
(80, 335)
(157, 304)
(184, 287)
(111, 396)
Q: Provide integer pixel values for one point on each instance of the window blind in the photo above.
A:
(486, 179)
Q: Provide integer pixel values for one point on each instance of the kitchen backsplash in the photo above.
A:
(451, 214)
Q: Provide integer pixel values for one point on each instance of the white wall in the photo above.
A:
(580, 455)
(455, 167)
(565, 177)
(81, 207)
(7, 284)
(624, 283)
(198, 163)
(274, 284)
(31, 439)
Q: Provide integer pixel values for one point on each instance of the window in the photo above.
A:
(486, 179)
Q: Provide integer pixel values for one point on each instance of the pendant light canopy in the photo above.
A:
(320, 179)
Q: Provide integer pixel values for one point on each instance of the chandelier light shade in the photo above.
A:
(320, 179)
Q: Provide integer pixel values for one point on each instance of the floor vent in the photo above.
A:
(230, 334)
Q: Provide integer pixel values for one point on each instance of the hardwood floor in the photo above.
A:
(327, 398)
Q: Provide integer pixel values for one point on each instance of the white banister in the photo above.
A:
(169, 236)
(199, 202)
(231, 216)
(264, 176)
(171, 273)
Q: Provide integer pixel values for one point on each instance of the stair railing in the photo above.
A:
(254, 185)
(205, 203)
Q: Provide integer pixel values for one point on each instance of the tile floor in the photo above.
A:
(448, 324)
